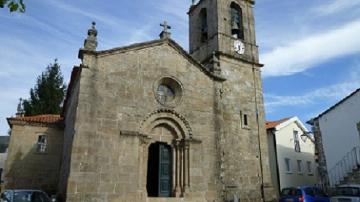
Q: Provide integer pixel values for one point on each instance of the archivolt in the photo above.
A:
(167, 117)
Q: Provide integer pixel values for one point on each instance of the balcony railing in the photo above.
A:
(345, 167)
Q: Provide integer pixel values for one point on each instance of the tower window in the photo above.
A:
(203, 25)
(237, 29)
(244, 120)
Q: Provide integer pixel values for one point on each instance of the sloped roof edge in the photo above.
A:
(44, 119)
(273, 124)
(333, 107)
(158, 42)
(291, 120)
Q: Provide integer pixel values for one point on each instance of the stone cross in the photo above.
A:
(165, 34)
(166, 26)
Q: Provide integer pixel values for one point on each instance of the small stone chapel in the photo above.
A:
(152, 122)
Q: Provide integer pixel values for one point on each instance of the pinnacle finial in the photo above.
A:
(91, 40)
(20, 110)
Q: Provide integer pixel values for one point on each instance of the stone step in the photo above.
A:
(165, 199)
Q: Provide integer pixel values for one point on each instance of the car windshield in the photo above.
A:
(348, 191)
(23, 196)
(291, 192)
(5, 197)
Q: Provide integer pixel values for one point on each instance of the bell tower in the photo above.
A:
(222, 35)
(223, 26)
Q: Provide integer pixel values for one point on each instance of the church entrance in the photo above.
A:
(159, 172)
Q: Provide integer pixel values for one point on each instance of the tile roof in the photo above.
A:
(273, 124)
(40, 119)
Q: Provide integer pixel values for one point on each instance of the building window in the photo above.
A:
(204, 25)
(237, 29)
(287, 165)
(299, 166)
(296, 141)
(165, 93)
(41, 144)
(244, 120)
(309, 167)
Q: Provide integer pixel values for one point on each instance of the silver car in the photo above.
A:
(18, 195)
(347, 193)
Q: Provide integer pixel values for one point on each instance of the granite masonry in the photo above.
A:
(151, 122)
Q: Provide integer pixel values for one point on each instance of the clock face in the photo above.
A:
(239, 47)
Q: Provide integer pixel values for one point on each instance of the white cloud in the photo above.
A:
(333, 92)
(337, 6)
(142, 34)
(177, 9)
(106, 19)
(336, 91)
(306, 53)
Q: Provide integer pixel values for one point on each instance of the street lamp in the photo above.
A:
(305, 136)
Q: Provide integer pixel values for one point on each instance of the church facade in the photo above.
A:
(153, 122)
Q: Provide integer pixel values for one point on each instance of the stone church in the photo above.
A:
(151, 122)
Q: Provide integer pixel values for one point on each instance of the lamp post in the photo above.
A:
(305, 136)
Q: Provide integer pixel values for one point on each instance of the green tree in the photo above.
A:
(48, 94)
(13, 5)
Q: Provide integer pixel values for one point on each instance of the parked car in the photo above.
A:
(347, 193)
(303, 194)
(18, 195)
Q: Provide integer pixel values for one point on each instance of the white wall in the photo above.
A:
(286, 149)
(339, 130)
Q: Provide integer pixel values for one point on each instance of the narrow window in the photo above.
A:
(237, 29)
(299, 165)
(287, 165)
(309, 167)
(41, 144)
(244, 120)
(296, 141)
(203, 25)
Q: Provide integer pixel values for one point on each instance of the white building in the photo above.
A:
(292, 153)
(337, 132)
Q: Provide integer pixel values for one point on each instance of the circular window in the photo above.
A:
(168, 91)
(165, 93)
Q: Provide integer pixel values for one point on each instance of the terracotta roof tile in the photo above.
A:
(41, 119)
(273, 124)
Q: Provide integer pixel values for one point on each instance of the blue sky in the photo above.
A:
(310, 48)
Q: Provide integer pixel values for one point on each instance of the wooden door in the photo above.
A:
(165, 168)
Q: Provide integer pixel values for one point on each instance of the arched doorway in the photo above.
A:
(168, 134)
(159, 172)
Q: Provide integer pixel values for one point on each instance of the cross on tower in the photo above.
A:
(166, 26)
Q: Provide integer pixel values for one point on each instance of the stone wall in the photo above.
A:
(70, 117)
(246, 150)
(113, 132)
(25, 167)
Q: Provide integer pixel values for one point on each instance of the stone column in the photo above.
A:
(187, 165)
(176, 168)
(181, 157)
(184, 165)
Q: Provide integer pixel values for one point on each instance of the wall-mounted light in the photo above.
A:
(306, 136)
